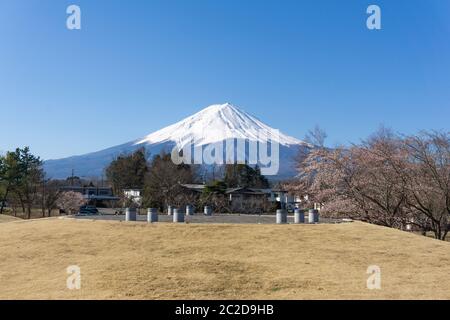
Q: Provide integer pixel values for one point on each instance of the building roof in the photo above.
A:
(237, 190)
(278, 190)
(84, 188)
(99, 197)
(194, 187)
(243, 190)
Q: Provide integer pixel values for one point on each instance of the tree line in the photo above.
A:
(23, 186)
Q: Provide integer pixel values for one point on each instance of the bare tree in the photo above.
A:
(50, 193)
(316, 137)
(427, 175)
(163, 182)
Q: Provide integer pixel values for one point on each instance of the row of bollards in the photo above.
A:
(299, 216)
(152, 215)
(179, 216)
(190, 210)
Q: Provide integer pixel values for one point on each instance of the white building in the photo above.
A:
(134, 194)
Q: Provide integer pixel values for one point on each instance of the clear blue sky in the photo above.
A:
(137, 66)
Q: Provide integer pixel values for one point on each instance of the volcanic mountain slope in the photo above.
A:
(213, 124)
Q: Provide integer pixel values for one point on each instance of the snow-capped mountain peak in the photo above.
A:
(217, 123)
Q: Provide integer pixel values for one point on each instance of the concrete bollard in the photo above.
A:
(299, 216)
(152, 215)
(130, 214)
(178, 215)
(281, 216)
(313, 216)
(169, 210)
(190, 210)
(207, 211)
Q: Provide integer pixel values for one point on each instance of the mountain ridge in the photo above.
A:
(215, 123)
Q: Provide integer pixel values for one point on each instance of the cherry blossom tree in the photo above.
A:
(71, 201)
(388, 179)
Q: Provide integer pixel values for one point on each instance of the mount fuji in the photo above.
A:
(212, 125)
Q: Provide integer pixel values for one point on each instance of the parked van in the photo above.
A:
(88, 210)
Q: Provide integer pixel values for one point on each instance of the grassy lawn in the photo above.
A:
(121, 260)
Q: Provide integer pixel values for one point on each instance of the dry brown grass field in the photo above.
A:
(7, 218)
(35, 214)
(121, 260)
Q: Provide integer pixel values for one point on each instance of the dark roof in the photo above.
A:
(84, 188)
(238, 190)
(96, 197)
(278, 190)
(194, 187)
(245, 191)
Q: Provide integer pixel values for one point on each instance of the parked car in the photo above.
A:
(88, 210)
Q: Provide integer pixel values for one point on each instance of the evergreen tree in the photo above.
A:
(243, 175)
(128, 172)
(21, 175)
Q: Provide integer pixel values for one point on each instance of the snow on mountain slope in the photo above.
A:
(215, 123)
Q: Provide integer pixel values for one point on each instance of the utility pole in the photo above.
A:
(43, 196)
